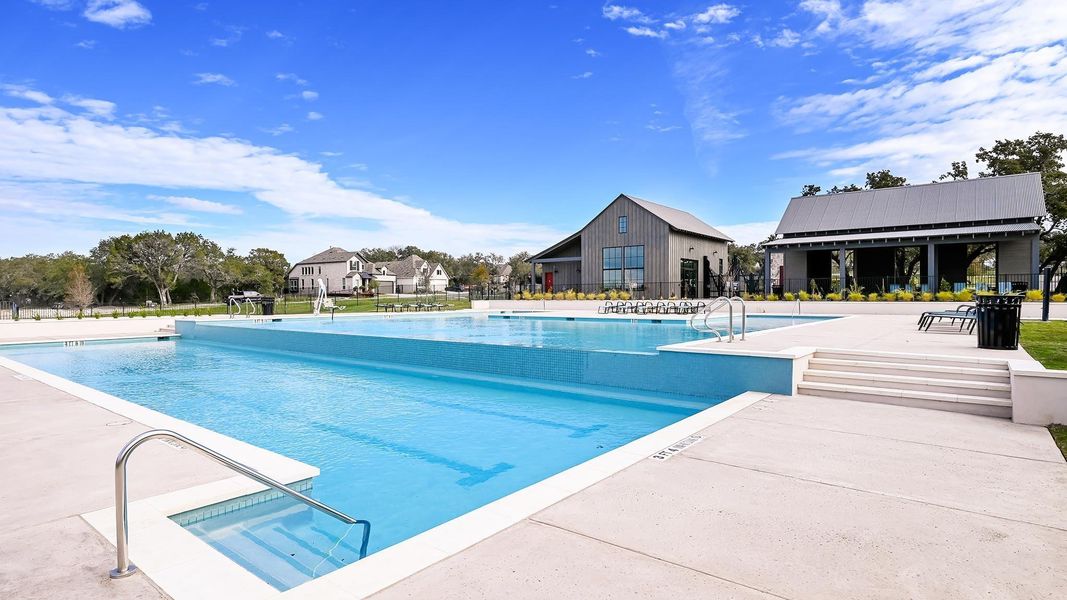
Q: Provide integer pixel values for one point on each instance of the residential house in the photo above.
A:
(342, 271)
(640, 246)
(415, 274)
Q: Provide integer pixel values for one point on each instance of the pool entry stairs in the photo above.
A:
(958, 384)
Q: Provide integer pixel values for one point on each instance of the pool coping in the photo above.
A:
(185, 566)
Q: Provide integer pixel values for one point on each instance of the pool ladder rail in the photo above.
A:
(703, 316)
(125, 568)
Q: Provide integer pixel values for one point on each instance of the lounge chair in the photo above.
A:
(966, 314)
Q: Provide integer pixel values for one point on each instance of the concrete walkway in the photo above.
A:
(797, 497)
(57, 456)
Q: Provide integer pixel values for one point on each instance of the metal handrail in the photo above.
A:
(125, 568)
(710, 308)
(730, 327)
(744, 316)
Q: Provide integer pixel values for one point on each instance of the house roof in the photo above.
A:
(405, 267)
(907, 234)
(679, 219)
(331, 255)
(967, 201)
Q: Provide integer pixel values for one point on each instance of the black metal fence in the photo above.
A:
(1001, 283)
(11, 310)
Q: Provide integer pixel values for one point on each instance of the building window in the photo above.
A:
(623, 223)
(612, 267)
(634, 263)
(344, 283)
(294, 284)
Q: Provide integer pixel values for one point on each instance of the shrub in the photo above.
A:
(965, 296)
(927, 297)
(37, 316)
(757, 297)
(816, 296)
(889, 297)
(833, 297)
(80, 315)
(570, 295)
(580, 295)
(526, 295)
(905, 296)
(613, 294)
(944, 286)
(96, 315)
(855, 297)
(873, 297)
(601, 296)
(788, 297)
(1057, 297)
(624, 295)
(945, 296)
(114, 314)
(538, 296)
(772, 297)
(746, 296)
(1034, 296)
(804, 296)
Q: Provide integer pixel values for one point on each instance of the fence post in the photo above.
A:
(1046, 289)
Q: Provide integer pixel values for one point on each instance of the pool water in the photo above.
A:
(405, 450)
(626, 335)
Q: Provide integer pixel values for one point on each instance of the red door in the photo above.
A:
(548, 282)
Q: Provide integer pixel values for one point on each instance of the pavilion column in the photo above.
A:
(767, 271)
(931, 268)
(842, 269)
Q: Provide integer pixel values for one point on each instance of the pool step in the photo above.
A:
(975, 405)
(979, 386)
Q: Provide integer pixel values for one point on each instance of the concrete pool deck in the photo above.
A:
(792, 497)
(797, 497)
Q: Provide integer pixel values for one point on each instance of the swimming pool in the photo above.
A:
(601, 334)
(406, 450)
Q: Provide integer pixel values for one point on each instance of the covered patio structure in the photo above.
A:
(981, 234)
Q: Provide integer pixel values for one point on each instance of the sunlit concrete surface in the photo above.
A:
(797, 497)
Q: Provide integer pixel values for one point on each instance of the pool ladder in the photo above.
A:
(699, 320)
(125, 568)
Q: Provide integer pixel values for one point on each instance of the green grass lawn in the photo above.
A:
(292, 307)
(1059, 433)
(1046, 341)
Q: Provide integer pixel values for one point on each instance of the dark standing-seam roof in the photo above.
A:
(983, 199)
(679, 219)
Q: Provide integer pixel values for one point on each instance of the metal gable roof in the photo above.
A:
(874, 236)
(983, 199)
(679, 219)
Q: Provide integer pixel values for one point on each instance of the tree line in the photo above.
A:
(151, 265)
(476, 268)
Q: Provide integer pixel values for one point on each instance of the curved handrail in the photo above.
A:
(744, 317)
(125, 568)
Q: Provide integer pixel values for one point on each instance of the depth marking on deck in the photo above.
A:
(677, 447)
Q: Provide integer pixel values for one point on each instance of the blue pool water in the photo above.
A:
(405, 450)
(629, 335)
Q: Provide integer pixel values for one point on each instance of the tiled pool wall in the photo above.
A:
(693, 374)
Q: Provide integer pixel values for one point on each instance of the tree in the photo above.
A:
(79, 292)
(161, 258)
(480, 274)
(884, 179)
(810, 189)
(267, 269)
(848, 188)
(956, 173)
(520, 267)
(210, 265)
(1039, 153)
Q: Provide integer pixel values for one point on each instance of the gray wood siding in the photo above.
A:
(642, 229)
(679, 246)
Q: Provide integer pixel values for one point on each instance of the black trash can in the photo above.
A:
(998, 322)
(267, 304)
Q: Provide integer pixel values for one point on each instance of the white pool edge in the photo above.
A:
(184, 566)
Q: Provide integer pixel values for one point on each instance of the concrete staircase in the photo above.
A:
(959, 384)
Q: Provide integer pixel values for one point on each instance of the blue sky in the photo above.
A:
(488, 125)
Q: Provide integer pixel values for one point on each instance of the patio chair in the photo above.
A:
(966, 314)
(608, 307)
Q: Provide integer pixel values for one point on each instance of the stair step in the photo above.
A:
(911, 382)
(973, 373)
(910, 358)
(977, 405)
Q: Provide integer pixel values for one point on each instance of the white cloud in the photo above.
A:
(281, 129)
(86, 44)
(646, 32)
(585, 75)
(274, 34)
(99, 108)
(661, 128)
(593, 53)
(309, 95)
(614, 12)
(48, 144)
(675, 25)
(330, 154)
(314, 116)
(198, 205)
(358, 166)
(786, 38)
(749, 233)
(117, 13)
(215, 78)
(56, 4)
(25, 93)
(290, 77)
(718, 14)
